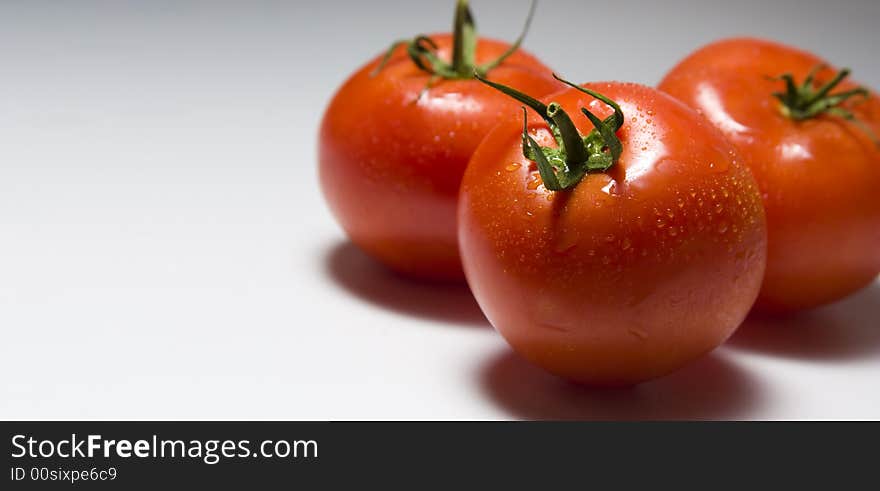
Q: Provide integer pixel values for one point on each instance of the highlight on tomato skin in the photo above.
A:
(397, 136)
(810, 137)
(630, 272)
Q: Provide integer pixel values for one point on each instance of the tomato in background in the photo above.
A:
(812, 147)
(622, 255)
(397, 136)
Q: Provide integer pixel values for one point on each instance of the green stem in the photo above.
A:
(536, 105)
(806, 101)
(464, 38)
(564, 166)
(486, 67)
(422, 50)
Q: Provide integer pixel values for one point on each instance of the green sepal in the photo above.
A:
(566, 165)
(805, 101)
(422, 50)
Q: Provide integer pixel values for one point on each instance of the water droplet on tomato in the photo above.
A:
(534, 182)
(718, 166)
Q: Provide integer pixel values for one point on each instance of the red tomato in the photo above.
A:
(392, 155)
(630, 273)
(819, 175)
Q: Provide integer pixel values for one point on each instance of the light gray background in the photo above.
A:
(165, 251)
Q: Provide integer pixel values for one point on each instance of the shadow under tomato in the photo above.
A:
(364, 278)
(713, 387)
(846, 330)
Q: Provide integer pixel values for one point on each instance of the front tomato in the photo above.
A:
(644, 261)
(397, 137)
(810, 138)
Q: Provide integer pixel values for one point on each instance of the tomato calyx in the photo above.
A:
(422, 50)
(564, 166)
(807, 100)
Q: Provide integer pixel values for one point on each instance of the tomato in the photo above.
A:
(395, 142)
(644, 263)
(819, 173)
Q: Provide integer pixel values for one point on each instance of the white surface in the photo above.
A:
(165, 252)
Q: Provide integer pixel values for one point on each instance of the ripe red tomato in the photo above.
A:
(392, 154)
(819, 173)
(629, 273)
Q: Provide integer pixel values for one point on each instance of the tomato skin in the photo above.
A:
(819, 177)
(390, 163)
(633, 272)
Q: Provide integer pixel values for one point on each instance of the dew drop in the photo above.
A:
(610, 189)
(533, 184)
(718, 166)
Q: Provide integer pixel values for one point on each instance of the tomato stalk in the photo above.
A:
(422, 50)
(464, 38)
(575, 155)
(806, 101)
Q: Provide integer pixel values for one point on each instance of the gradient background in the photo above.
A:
(165, 251)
